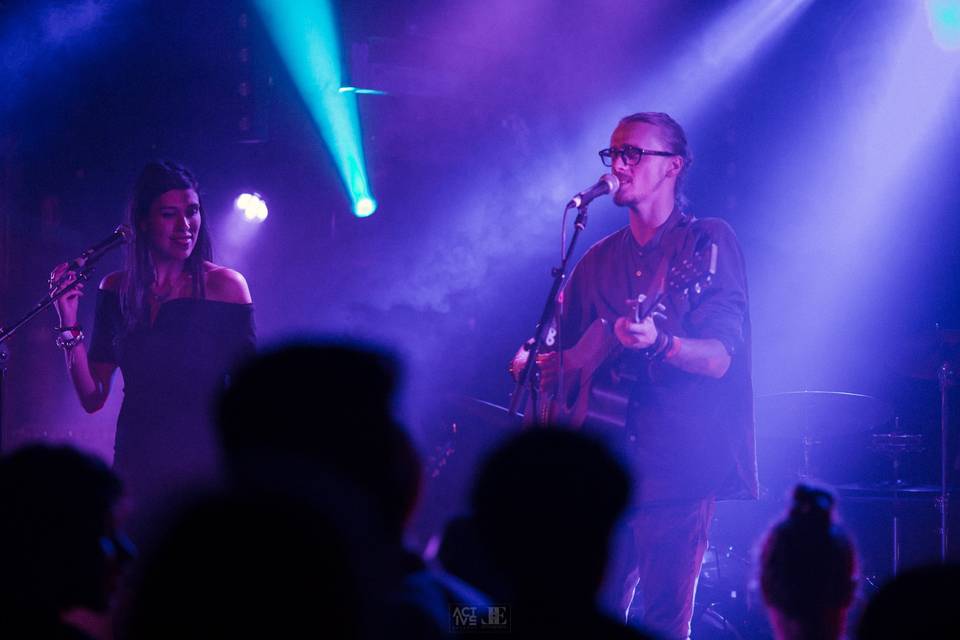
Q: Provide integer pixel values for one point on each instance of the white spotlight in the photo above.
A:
(252, 206)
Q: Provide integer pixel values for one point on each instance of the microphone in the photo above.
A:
(608, 183)
(89, 256)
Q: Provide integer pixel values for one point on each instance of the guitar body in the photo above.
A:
(594, 388)
(590, 392)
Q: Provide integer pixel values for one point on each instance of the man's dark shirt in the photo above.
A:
(694, 435)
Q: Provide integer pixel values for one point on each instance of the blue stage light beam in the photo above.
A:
(944, 19)
(305, 34)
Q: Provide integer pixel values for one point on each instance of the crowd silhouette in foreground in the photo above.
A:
(304, 535)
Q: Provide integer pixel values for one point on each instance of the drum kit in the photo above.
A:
(893, 476)
(864, 451)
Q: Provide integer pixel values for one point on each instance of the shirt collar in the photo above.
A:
(672, 221)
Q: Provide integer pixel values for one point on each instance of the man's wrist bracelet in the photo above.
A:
(660, 346)
(674, 348)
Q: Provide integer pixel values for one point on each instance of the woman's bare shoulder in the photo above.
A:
(225, 285)
(112, 281)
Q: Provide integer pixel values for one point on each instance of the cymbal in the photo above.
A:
(921, 355)
(887, 490)
(819, 413)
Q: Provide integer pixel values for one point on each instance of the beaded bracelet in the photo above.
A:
(76, 336)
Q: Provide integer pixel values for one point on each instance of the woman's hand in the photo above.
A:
(66, 305)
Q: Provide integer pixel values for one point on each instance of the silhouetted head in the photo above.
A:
(808, 563)
(463, 554)
(545, 504)
(329, 405)
(916, 604)
(248, 566)
(60, 547)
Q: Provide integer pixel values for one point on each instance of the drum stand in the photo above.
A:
(895, 445)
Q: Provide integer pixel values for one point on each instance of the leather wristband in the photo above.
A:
(660, 347)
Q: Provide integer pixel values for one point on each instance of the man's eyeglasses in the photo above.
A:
(631, 155)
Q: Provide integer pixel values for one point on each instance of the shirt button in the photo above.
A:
(639, 273)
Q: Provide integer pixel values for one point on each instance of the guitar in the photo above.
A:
(594, 379)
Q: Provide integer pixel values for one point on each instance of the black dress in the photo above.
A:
(172, 373)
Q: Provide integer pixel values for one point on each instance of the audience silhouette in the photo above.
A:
(544, 506)
(306, 536)
(261, 566)
(316, 420)
(918, 603)
(62, 549)
(808, 570)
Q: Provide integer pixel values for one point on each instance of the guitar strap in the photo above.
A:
(669, 249)
(637, 367)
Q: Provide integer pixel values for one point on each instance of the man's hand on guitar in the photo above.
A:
(635, 335)
(547, 363)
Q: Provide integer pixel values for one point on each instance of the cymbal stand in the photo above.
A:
(947, 378)
(808, 443)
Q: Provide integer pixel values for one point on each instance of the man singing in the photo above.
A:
(690, 415)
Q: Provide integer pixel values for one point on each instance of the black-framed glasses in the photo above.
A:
(631, 155)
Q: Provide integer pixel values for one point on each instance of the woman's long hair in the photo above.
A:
(139, 274)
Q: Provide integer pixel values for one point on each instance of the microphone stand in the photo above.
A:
(3, 381)
(82, 275)
(530, 374)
